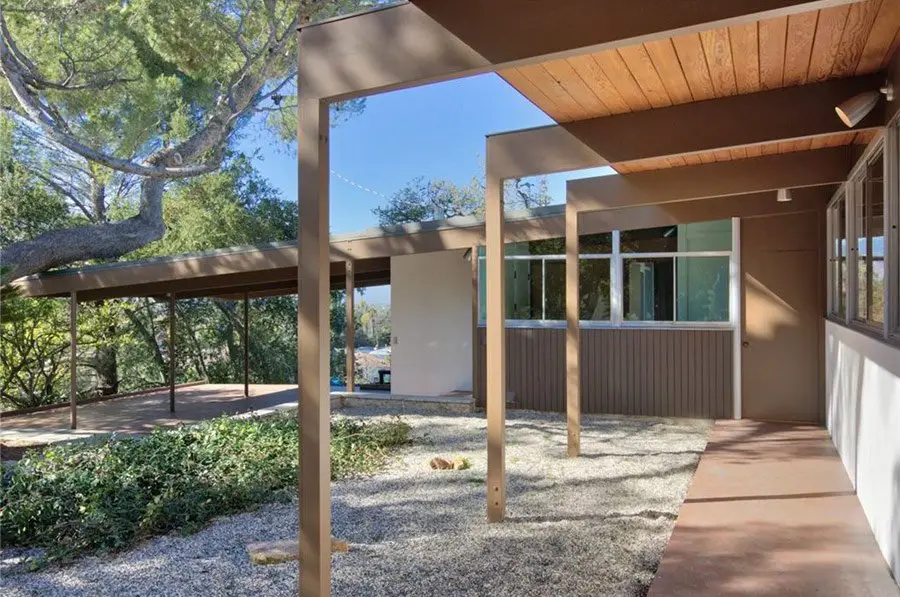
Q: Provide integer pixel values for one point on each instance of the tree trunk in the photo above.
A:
(150, 338)
(105, 363)
(100, 241)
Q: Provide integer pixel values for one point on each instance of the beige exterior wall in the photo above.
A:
(431, 317)
(863, 417)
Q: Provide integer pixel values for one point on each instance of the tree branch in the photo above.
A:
(99, 241)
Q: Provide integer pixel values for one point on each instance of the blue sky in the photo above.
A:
(436, 131)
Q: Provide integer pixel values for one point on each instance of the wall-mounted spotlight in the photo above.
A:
(784, 196)
(857, 107)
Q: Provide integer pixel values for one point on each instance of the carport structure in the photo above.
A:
(690, 102)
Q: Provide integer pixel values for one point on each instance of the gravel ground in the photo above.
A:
(593, 526)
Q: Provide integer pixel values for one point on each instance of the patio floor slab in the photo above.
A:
(138, 414)
(771, 511)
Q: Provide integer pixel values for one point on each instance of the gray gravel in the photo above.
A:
(593, 526)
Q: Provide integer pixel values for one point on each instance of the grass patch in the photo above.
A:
(105, 496)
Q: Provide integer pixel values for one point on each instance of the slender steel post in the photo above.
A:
(73, 360)
(573, 336)
(350, 332)
(313, 348)
(474, 261)
(496, 346)
(246, 345)
(172, 352)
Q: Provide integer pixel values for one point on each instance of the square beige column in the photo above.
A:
(350, 326)
(495, 398)
(313, 347)
(172, 352)
(573, 336)
(246, 345)
(474, 262)
(73, 360)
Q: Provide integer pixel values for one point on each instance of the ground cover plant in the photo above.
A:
(104, 496)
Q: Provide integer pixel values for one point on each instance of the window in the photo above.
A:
(671, 274)
(869, 226)
(864, 241)
(536, 279)
(838, 256)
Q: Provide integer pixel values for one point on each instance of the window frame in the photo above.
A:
(887, 143)
(837, 293)
(855, 187)
(616, 271)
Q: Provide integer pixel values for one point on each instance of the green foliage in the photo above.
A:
(96, 497)
(420, 201)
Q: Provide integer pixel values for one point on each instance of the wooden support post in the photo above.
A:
(573, 336)
(73, 360)
(496, 347)
(313, 339)
(172, 352)
(246, 345)
(350, 330)
(474, 261)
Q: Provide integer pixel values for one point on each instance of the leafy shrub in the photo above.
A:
(104, 496)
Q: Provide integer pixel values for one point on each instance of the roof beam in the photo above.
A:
(433, 40)
(753, 175)
(763, 117)
(542, 150)
(751, 205)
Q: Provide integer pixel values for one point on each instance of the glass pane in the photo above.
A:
(594, 289)
(523, 289)
(589, 244)
(649, 240)
(555, 290)
(550, 246)
(700, 236)
(705, 236)
(875, 230)
(839, 251)
(869, 219)
(649, 289)
(482, 291)
(703, 288)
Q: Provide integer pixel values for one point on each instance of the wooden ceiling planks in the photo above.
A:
(748, 151)
(830, 43)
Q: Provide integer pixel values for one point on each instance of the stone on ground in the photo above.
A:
(278, 552)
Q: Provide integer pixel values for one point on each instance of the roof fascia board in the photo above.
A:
(426, 41)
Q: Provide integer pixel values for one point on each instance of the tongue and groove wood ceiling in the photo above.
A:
(836, 42)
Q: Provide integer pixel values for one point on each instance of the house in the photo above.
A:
(744, 262)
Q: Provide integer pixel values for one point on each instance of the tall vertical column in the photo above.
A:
(246, 345)
(350, 332)
(313, 347)
(73, 360)
(495, 398)
(474, 262)
(172, 352)
(573, 336)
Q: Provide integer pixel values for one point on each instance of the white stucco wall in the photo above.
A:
(863, 417)
(431, 321)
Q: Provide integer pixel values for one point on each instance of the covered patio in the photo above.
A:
(776, 121)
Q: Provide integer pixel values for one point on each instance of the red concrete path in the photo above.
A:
(771, 511)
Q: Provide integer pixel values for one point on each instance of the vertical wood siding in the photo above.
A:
(673, 373)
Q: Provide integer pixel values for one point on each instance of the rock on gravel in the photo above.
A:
(596, 525)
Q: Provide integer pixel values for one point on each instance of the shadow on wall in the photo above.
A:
(863, 415)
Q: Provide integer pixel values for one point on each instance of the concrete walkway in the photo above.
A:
(771, 511)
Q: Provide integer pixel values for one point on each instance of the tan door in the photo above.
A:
(782, 301)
